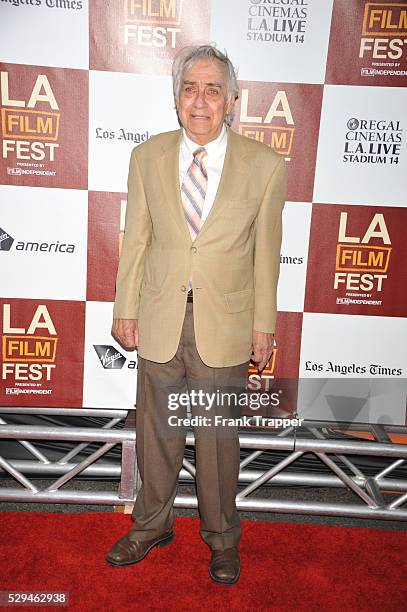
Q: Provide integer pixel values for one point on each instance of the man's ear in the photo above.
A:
(231, 104)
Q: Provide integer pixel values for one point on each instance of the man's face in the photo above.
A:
(202, 104)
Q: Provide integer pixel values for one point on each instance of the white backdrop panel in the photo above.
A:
(48, 255)
(294, 255)
(345, 169)
(299, 57)
(108, 385)
(123, 110)
(45, 35)
(369, 355)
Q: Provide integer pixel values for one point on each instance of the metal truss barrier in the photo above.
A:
(378, 496)
(66, 468)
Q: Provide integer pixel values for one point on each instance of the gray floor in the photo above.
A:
(297, 493)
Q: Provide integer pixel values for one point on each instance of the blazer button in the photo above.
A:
(194, 249)
(183, 288)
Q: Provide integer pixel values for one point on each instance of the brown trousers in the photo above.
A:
(160, 444)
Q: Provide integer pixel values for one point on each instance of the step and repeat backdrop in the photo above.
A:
(323, 82)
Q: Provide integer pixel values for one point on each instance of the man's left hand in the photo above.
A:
(262, 348)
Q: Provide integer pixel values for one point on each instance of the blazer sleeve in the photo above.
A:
(137, 237)
(268, 235)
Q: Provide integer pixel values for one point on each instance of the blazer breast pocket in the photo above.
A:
(242, 204)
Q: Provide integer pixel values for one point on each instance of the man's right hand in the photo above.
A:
(125, 331)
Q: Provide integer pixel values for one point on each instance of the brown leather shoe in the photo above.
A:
(225, 566)
(129, 550)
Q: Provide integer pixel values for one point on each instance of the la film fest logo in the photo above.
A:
(384, 39)
(29, 134)
(372, 141)
(275, 128)
(29, 353)
(264, 380)
(152, 23)
(280, 21)
(361, 267)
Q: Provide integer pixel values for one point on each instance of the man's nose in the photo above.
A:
(200, 99)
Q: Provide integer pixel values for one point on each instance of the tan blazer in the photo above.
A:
(234, 261)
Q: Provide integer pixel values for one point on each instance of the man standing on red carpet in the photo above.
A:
(196, 295)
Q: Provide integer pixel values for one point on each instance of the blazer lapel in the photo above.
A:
(168, 169)
(235, 170)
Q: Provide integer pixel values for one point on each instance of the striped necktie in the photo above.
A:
(193, 191)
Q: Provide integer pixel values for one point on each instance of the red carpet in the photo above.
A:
(284, 567)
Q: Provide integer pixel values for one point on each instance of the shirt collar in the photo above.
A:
(210, 147)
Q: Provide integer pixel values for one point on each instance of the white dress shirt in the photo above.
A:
(213, 163)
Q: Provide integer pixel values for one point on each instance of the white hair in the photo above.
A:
(187, 57)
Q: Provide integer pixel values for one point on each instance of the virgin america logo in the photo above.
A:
(109, 357)
(5, 240)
